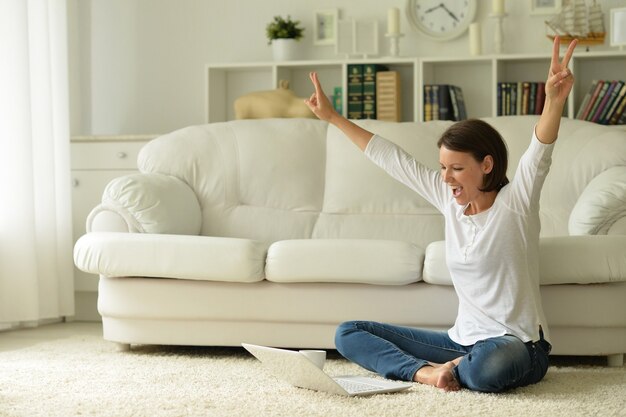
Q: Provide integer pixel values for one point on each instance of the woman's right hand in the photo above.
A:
(323, 109)
(318, 102)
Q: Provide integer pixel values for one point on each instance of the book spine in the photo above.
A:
(455, 105)
(598, 100)
(355, 91)
(369, 91)
(435, 102)
(461, 102)
(428, 104)
(388, 96)
(338, 100)
(619, 112)
(541, 97)
(525, 94)
(606, 95)
(586, 99)
(617, 86)
(616, 102)
(499, 98)
(532, 98)
(445, 104)
(592, 100)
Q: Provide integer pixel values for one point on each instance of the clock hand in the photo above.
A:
(449, 12)
(434, 8)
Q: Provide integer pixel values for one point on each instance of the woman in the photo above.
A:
(499, 339)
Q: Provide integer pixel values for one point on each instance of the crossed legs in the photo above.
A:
(431, 357)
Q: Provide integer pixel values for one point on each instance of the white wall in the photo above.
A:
(137, 66)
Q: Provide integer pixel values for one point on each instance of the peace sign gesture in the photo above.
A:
(560, 78)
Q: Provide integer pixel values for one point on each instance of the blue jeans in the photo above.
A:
(492, 365)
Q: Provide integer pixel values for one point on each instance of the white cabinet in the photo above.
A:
(96, 160)
(478, 77)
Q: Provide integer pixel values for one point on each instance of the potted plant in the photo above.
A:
(283, 35)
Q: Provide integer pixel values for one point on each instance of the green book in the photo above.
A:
(355, 91)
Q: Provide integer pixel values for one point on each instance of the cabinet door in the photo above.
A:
(86, 194)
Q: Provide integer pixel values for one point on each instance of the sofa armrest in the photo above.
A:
(601, 208)
(147, 203)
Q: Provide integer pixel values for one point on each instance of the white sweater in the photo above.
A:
(492, 256)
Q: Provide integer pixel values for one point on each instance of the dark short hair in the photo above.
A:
(479, 139)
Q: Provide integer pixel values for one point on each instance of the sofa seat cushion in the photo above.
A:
(382, 262)
(171, 256)
(587, 259)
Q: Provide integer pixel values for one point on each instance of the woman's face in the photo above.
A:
(463, 174)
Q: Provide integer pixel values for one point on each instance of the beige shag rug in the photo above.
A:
(85, 376)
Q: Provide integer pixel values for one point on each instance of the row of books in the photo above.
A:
(362, 90)
(604, 103)
(444, 102)
(520, 98)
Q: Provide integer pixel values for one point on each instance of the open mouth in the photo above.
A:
(456, 190)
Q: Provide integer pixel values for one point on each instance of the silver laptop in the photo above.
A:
(295, 368)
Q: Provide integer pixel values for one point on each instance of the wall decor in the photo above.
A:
(618, 27)
(325, 27)
(545, 6)
(357, 37)
(441, 20)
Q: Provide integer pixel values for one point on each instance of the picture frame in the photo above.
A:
(618, 27)
(325, 27)
(540, 7)
(357, 37)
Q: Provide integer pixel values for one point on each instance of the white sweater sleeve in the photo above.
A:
(403, 167)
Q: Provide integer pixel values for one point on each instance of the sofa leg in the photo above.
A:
(616, 360)
(122, 347)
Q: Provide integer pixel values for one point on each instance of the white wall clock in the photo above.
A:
(441, 20)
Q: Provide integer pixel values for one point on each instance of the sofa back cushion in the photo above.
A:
(256, 179)
(363, 201)
(277, 179)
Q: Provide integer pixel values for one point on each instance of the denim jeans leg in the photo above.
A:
(395, 352)
(501, 363)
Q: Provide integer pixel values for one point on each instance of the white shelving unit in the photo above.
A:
(477, 76)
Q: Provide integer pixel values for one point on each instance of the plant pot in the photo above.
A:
(285, 49)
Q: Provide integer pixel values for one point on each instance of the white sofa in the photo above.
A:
(275, 231)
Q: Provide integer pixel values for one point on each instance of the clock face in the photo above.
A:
(441, 19)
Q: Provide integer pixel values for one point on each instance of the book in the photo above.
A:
(598, 100)
(586, 99)
(445, 103)
(369, 89)
(355, 91)
(606, 95)
(592, 99)
(541, 97)
(525, 94)
(603, 118)
(435, 102)
(338, 100)
(615, 104)
(532, 97)
(617, 117)
(428, 102)
(458, 98)
(388, 98)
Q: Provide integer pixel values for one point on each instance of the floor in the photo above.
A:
(17, 339)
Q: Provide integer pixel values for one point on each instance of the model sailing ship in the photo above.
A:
(577, 21)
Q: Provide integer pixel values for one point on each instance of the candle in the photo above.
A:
(497, 7)
(393, 21)
(475, 39)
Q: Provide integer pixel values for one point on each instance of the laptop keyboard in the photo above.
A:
(355, 386)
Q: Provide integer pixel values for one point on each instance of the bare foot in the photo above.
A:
(438, 375)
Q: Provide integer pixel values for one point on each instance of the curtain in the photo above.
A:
(36, 270)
